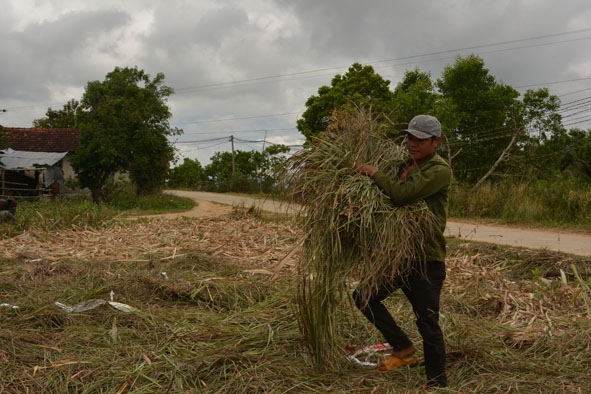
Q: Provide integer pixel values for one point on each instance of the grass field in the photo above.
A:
(214, 303)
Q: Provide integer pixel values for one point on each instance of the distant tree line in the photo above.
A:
(241, 171)
(491, 131)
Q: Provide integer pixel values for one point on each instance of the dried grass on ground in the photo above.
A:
(222, 319)
(154, 238)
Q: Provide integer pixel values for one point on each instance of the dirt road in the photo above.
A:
(211, 204)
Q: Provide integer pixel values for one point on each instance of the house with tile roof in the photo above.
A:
(42, 139)
(37, 158)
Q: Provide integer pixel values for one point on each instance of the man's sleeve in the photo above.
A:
(421, 184)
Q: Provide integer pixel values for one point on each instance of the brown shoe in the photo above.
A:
(398, 359)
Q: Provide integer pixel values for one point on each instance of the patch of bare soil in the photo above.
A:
(203, 208)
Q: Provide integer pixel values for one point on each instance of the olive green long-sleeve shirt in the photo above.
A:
(430, 182)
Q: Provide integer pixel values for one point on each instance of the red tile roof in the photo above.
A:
(42, 140)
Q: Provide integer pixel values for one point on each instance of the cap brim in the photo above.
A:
(419, 134)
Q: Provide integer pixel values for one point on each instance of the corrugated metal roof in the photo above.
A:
(22, 160)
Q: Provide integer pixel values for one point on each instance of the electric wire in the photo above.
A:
(180, 90)
(277, 76)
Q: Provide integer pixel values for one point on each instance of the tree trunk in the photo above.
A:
(499, 160)
(450, 157)
(96, 195)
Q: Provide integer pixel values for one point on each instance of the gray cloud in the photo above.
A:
(247, 67)
(48, 54)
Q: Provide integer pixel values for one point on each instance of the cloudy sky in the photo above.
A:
(245, 68)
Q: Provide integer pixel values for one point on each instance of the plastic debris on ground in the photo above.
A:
(93, 304)
(368, 356)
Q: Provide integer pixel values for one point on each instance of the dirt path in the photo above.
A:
(212, 204)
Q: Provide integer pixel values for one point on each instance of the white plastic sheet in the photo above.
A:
(93, 304)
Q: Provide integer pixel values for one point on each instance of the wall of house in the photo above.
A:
(67, 168)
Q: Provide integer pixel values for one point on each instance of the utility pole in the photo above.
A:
(233, 155)
(262, 161)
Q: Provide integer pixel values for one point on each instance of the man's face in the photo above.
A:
(421, 149)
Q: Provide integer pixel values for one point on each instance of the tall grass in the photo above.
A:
(122, 196)
(51, 215)
(56, 214)
(559, 203)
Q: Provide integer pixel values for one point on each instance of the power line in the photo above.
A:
(556, 82)
(572, 123)
(263, 78)
(279, 76)
(576, 102)
(576, 91)
(241, 118)
(226, 131)
(418, 56)
(577, 118)
(308, 72)
(205, 147)
(563, 108)
(293, 113)
(498, 43)
(503, 50)
(238, 140)
(200, 141)
(576, 113)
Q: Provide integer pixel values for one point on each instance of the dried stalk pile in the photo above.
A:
(353, 230)
(157, 239)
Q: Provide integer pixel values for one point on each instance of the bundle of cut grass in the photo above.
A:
(353, 230)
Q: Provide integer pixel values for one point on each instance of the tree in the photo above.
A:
(488, 129)
(414, 95)
(486, 113)
(541, 113)
(272, 166)
(190, 174)
(66, 118)
(124, 125)
(223, 176)
(576, 157)
(545, 137)
(253, 171)
(360, 85)
(274, 160)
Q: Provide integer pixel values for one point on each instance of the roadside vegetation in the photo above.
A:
(81, 212)
(562, 203)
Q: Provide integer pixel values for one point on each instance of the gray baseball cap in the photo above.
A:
(423, 127)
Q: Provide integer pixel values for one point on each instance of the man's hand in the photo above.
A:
(364, 169)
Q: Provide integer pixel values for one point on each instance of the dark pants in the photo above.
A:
(423, 291)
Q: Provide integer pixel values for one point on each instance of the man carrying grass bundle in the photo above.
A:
(425, 176)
